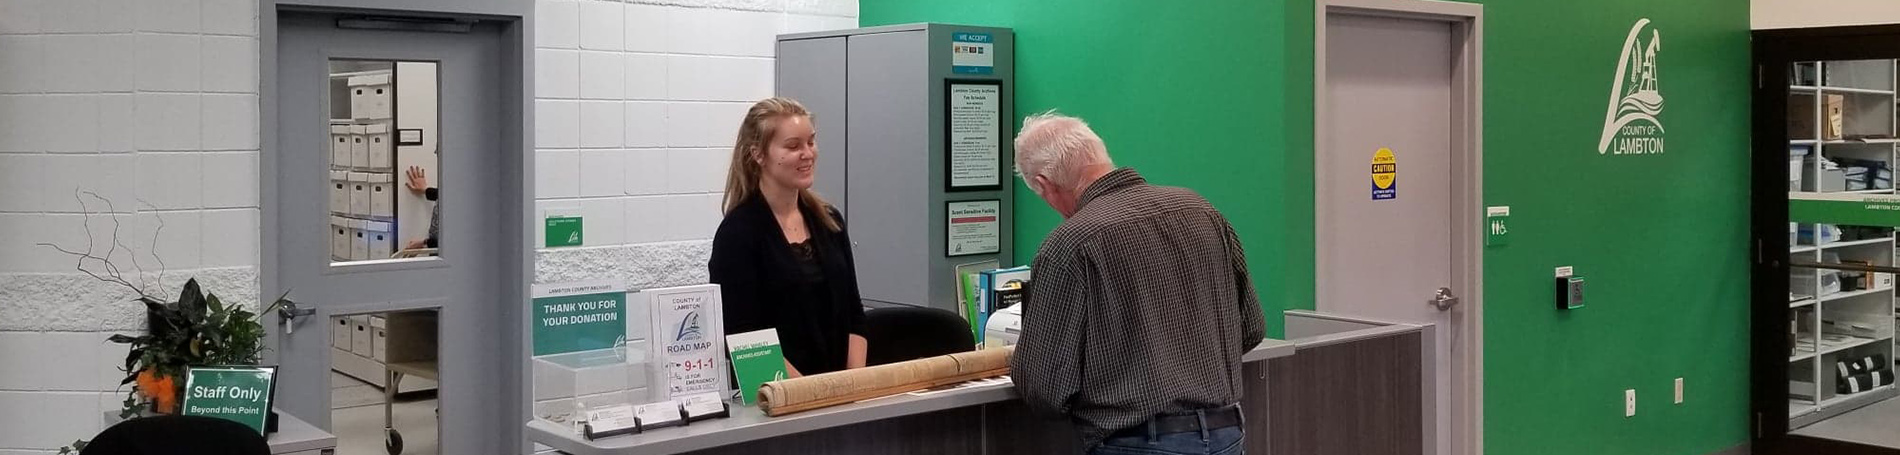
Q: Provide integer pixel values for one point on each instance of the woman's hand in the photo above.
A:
(855, 350)
(791, 371)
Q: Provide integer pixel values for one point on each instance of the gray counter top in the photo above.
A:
(749, 424)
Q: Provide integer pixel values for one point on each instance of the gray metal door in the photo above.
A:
(1386, 250)
(466, 283)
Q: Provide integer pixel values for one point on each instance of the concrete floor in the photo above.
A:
(357, 419)
(1876, 424)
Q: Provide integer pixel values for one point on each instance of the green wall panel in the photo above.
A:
(1216, 96)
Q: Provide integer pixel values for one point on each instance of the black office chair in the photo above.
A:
(897, 334)
(178, 435)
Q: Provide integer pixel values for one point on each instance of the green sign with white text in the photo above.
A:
(579, 317)
(563, 231)
(1844, 209)
(237, 394)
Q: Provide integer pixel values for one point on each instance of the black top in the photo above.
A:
(808, 291)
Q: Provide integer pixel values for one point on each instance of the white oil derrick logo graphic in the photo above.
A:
(1635, 99)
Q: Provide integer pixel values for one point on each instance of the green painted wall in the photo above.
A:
(1216, 96)
(1184, 106)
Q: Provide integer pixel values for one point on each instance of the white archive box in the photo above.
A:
(382, 238)
(379, 158)
(340, 192)
(359, 240)
(340, 238)
(378, 337)
(592, 378)
(340, 146)
(382, 196)
(360, 339)
(359, 146)
(369, 96)
(340, 337)
(359, 194)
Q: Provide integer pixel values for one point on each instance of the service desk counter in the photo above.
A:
(961, 421)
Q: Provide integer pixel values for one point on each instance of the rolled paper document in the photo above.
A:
(788, 396)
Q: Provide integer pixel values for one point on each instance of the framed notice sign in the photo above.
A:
(239, 394)
(975, 227)
(974, 135)
(687, 341)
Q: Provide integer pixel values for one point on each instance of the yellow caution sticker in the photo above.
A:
(1385, 175)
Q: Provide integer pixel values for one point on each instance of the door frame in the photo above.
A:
(1774, 50)
(517, 77)
(1467, 172)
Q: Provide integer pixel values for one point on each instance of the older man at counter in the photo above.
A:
(1142, 306)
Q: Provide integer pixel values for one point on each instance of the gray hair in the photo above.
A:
(1058, 147)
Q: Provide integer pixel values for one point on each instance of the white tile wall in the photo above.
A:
(168, 121)
(230, 64)
(601, 172)
(230, 122)
(168, 63)
(110, 97)
(646, 76)
(230, 180)
(78, 118)
(602, 123)
(20, 56)
(657, 146)
(603, 75)
(174, 16)
(602, 26)
(646, 124)
(159, 175)
(699, 78)
(557, 73)
(557, 12)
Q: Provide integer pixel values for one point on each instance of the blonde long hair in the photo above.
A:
(742, 176)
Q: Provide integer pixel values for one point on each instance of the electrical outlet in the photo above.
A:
(1678, 390)
(1629, 403)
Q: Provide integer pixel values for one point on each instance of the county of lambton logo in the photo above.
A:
(689, 328)
(1630, 125)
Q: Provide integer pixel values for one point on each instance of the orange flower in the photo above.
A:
(160, 389)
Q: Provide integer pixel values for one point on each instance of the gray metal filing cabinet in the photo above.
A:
(915, 124)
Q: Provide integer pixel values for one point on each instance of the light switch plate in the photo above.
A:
(1678, 390)
(1629, 403)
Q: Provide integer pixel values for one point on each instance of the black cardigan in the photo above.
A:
(758, 277)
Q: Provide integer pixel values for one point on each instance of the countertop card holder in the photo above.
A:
(610, 421)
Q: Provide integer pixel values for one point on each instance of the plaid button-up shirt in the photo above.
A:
(1141, 306)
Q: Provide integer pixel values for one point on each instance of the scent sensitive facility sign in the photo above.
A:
(1385, 175)
(239, 394)
(582, 316)
(972, 53)
(688, 335)
(975, 227)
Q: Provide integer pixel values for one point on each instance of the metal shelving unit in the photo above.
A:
(1853, 110)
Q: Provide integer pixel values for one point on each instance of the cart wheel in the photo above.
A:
(392, 440)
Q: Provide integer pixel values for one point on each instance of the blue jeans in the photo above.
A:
(1219, 441)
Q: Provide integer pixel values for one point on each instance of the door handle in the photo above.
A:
(1443, 300)
(288, 312)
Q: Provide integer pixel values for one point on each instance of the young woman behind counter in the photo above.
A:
(782, 257)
